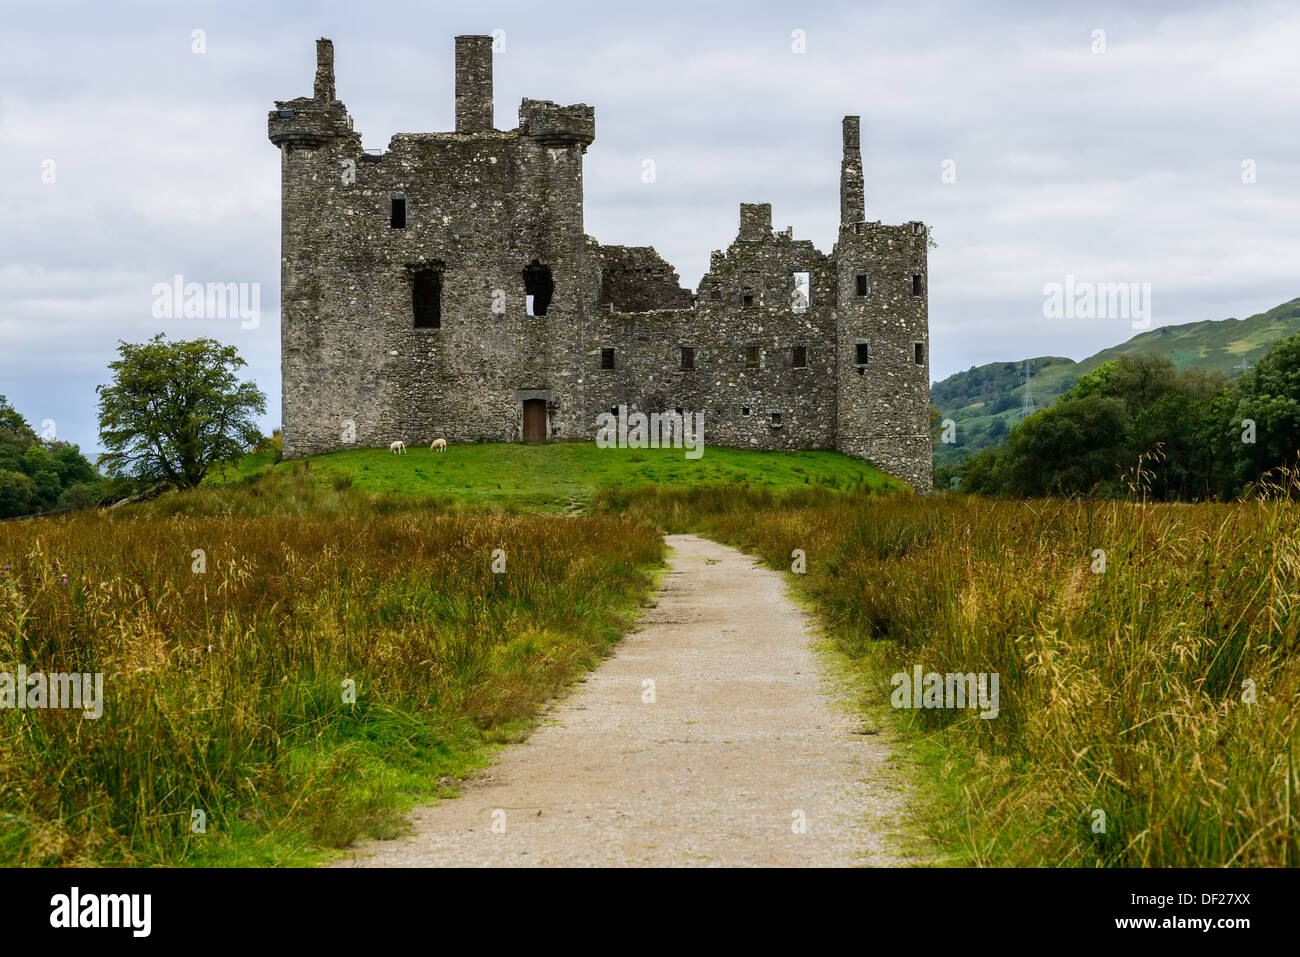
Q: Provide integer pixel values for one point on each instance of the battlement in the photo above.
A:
(305, 123)
(555, 125)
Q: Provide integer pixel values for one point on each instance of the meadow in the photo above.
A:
(224, 677)
(226, 682)
(1149, 703)
(1148, 706)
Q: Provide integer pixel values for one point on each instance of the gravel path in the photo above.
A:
(743, 740)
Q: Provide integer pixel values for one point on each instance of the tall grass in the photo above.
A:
(1123, 692)
(225, 687)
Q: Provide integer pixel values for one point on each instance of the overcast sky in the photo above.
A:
(1117, 166)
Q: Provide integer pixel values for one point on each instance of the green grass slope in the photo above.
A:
(559, 476)
(985, 401)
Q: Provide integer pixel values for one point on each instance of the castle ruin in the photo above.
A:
(447, 288)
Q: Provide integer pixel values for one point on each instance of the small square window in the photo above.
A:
(799, 357)
(613, 410)
(748, 300)
(607, 358)
(776, 420)
(688, 358)
(753, 358)
(864, 284)
(744, 410)
(863, 354)
(916, 284)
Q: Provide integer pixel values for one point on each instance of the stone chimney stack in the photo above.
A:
(755, 221)
(474, 84)
(853, 194)
(324, 70)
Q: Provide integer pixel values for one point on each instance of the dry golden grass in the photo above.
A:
(224, 688)
(1123, 692)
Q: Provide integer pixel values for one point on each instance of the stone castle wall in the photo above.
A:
(486, 217)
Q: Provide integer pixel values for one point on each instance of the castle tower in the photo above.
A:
(315, 138)
(437, 288)
(882, 333)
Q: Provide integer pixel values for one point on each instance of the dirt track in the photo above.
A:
(743, 733)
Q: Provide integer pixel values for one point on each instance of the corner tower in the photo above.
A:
(882, 332)
(437, 288)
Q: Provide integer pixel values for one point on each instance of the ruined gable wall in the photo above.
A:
(648, 374)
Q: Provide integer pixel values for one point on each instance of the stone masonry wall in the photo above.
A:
(776, 364)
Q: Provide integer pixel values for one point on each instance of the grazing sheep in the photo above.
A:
(397, 447)
(439, 445)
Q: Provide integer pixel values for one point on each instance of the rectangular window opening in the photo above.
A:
(916, 284)
(748, 300)
(864, 284)
(918, 352)
(863, 356)
(776, 420)
(539, 287)
(688, 358)
(799, 357)
(744, 410)
(426, 298)
(398, 220)
(752, 357)
(607, 358)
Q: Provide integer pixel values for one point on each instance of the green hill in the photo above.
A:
(558, 476)
(985, 401)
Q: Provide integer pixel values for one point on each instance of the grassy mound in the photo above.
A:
(560, 476)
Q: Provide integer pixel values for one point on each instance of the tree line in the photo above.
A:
(1194, 434)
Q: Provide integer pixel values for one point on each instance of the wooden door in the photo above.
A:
(534, 420)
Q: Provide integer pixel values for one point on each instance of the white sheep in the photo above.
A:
(397, 447)
(439, 445)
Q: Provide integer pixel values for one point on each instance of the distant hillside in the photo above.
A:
(985, 401)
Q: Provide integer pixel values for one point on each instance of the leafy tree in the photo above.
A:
(1141, 380)
(175, 409)
(1091, 383)
(1071, 447)
(34, 474)
(17, 494)
(14, 429)
(39, 467)
(10, 419)
(79, 496)
(1269, 396)
(984, 472)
